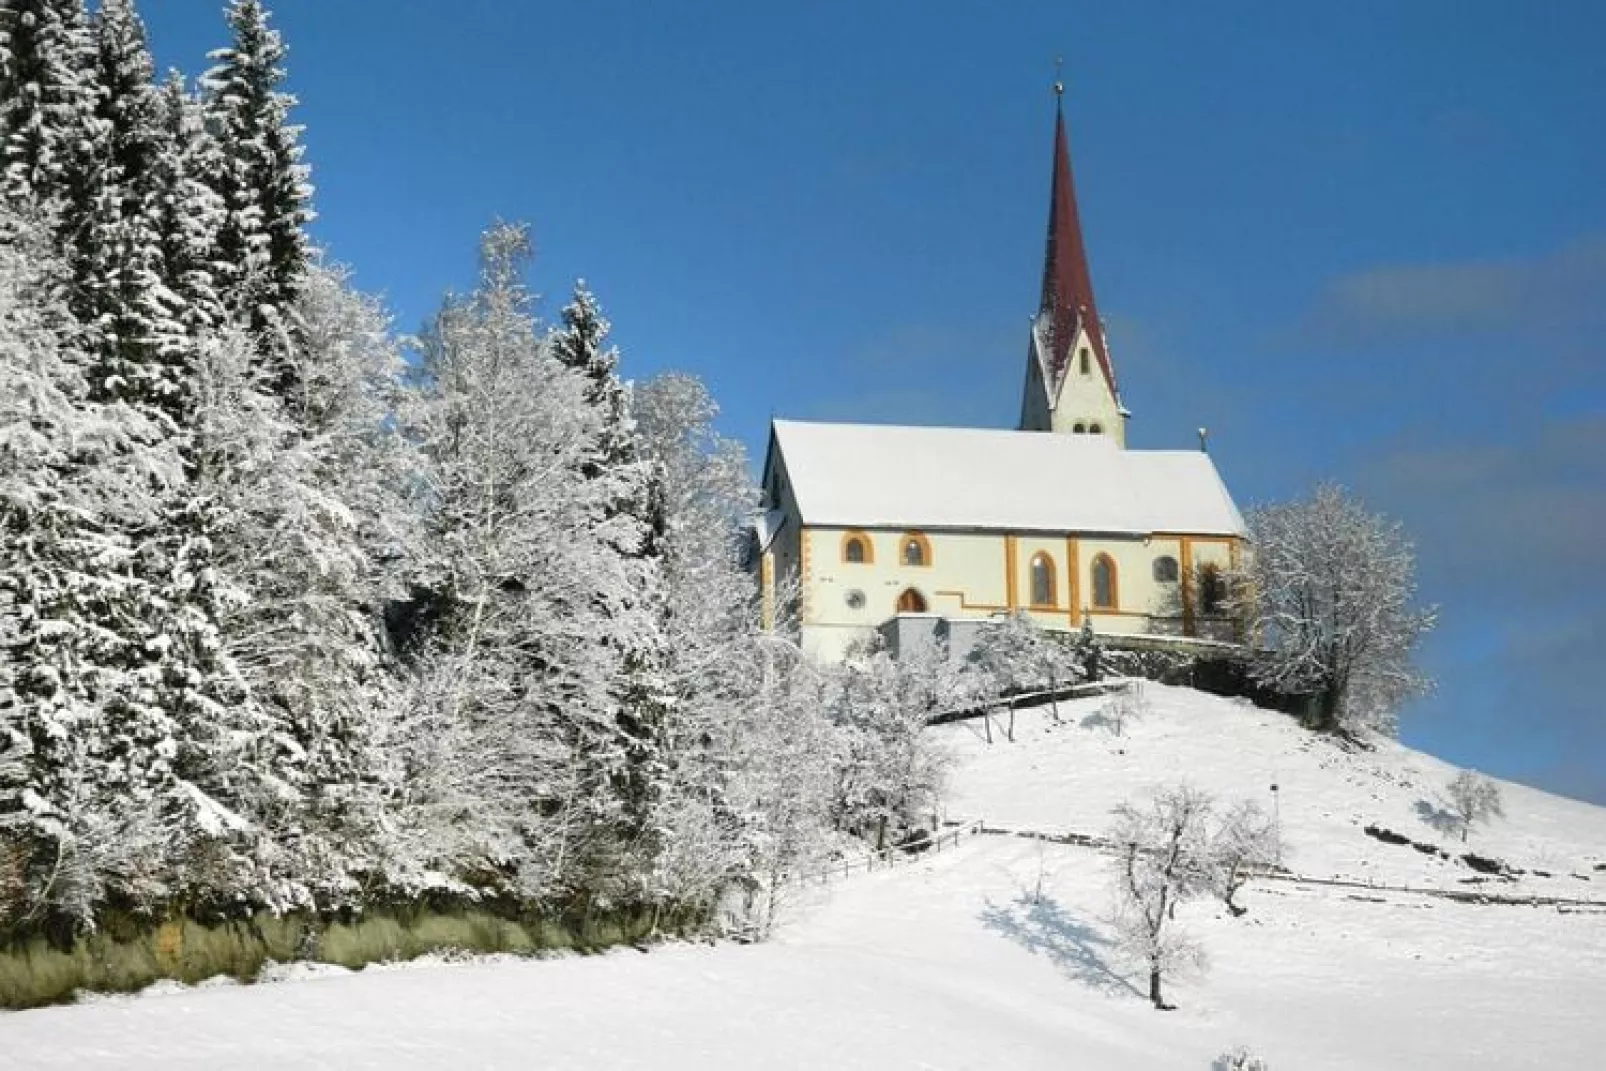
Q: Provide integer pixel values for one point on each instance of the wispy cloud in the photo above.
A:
(1564, 289)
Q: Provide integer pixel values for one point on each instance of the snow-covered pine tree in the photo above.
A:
(262, 243)
(136, 318)
(124, 753)
(622, 496)
(47, 105)
(723, 675)
(188, 213)
(52, 144)
(512, 740)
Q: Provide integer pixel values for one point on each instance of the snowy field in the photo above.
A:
(951, 962)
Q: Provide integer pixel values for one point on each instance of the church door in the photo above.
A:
(911, 602)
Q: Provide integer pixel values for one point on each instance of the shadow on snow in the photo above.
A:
(1042, 927)
(1437, 818)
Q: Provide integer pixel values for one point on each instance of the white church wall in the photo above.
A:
(964, 569)
(974, 575)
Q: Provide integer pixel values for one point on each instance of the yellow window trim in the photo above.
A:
(925, 549)
(864, 541)
(1115, 582)
(1053, 581)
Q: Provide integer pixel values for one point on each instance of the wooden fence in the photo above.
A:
(1035, 698)
(890, 857)
(1277, 873)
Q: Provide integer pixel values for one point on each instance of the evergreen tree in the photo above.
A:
(127, 751)
(262, 244)
(623, 499)
(188, 213)
(47, 107)
(137, 320)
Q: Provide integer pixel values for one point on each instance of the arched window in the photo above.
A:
(1042, 580)
(1079, 428)
(914, 549)
(1212, 589)
(911, 602)
(1105, 592)
(856, 549)
(1165, 569)
(1086, 368)
(1095, 428)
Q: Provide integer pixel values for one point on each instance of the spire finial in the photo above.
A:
(1059, 80)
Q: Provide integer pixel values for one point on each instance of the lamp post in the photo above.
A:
(1277, 820)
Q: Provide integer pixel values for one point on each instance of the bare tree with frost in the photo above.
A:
(1474, 799)
(1164, 858)
(1246, 842)
(1014, 654)
(1329, 591)
(779, 790)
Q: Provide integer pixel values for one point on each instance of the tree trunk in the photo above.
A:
(987, 721)
(1011, 730)
(1154, 989)
(1325, 718)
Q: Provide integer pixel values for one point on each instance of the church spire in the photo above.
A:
(1067, 303)
(1070, 381)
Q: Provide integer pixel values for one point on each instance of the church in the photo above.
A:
(925, 531)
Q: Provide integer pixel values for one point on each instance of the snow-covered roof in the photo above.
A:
(893, 476)
(767, 525)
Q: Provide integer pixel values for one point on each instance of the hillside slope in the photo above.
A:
(1068, 775)
(993, 955)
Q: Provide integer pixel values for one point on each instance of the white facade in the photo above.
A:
(868, 521)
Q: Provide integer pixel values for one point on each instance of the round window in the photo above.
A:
(855, 599)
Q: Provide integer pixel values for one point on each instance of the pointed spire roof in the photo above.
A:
(1067, 284)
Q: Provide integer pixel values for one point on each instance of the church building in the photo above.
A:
(921, 531)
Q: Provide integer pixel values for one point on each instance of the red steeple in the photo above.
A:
(1067, 284)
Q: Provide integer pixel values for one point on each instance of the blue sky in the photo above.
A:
(1364, 242)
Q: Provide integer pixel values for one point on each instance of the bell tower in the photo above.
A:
(1070, 382)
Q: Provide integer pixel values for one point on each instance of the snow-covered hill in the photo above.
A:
(994, 955)
(1067, 775)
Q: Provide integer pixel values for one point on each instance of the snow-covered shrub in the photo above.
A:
(1127, 702)
(1239, 1058)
